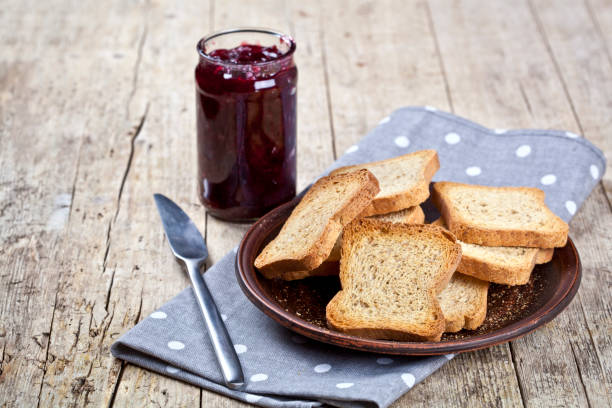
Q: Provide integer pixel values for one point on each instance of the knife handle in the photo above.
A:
(217, 332)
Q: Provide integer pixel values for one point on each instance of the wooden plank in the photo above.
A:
(109, 275)
(501, 74)
(166, 84)
(579, 44)
(50, 86)
(576, 42)
(381, 57)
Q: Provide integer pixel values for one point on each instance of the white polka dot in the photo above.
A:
(430, 108)
(452, 138)
(344, 385)
(172, 370)
(402, 141)
(298, 339)
(500, 131)
(259, 377)
(523, 151)
(572, 135)
(570, 206)
(158, 315)
(352, 149)
(594, 171)
(322, 368)
(223, 317)
(293, 90)
(227, 76)
(473, 171)
(176, 345)
(548, 179)
(408, 379)
(384, 120)
(449, 356)
(252, 398)
(240, 348)
(384, 360)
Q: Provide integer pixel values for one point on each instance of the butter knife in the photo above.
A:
(189, 246)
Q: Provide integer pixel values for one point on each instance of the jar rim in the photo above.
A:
(284, 37)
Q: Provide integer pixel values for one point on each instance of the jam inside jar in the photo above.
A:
(246, 83)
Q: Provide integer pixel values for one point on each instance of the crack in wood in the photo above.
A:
(551, 54)
(580, 374)
(76, 175)
(2, 358)
(432, 30)
(77, 335)
(111, 401)
(111, 222)
(518, 377)
(5, 207)
(141, 43)
(137, 319)
(586, 323)
(128, 166)
(327, 90)
(105, 329)
(42, 380)
(108, 232)
(525, 99)
(108, 291)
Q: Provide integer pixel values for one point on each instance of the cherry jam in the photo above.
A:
(246, 123)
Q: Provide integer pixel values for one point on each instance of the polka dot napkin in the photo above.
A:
(287, 370)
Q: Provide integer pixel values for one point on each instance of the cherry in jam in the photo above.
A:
(246, 125)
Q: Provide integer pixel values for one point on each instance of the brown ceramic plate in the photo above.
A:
(300, 305)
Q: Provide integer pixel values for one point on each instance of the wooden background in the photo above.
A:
(97, 113)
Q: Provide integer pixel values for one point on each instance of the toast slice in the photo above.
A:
(404, 180)
(504, 265)
(499, 216)
(412, 215)
(544, 255)
(464, 303)
(391, 275)
(327, 268)
(309, 234)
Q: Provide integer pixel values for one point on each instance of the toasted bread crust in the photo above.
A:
(409, 198)
(327, 268)
(486, 271)
(475, 234)
(311, 257)
(389, 328)
(510, 274)
(470, 321)
(411, 215)
(544, 255)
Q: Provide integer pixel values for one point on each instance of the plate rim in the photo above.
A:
(254, 292)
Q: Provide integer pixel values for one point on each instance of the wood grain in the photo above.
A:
(97, 113)
(518, 90)
(576, 44)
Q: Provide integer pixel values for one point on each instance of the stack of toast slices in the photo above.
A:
(403, 279)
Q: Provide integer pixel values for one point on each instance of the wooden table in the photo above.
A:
(97, 113)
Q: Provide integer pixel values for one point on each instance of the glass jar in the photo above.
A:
(246, 92)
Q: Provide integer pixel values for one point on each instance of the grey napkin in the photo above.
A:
(287, 370)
